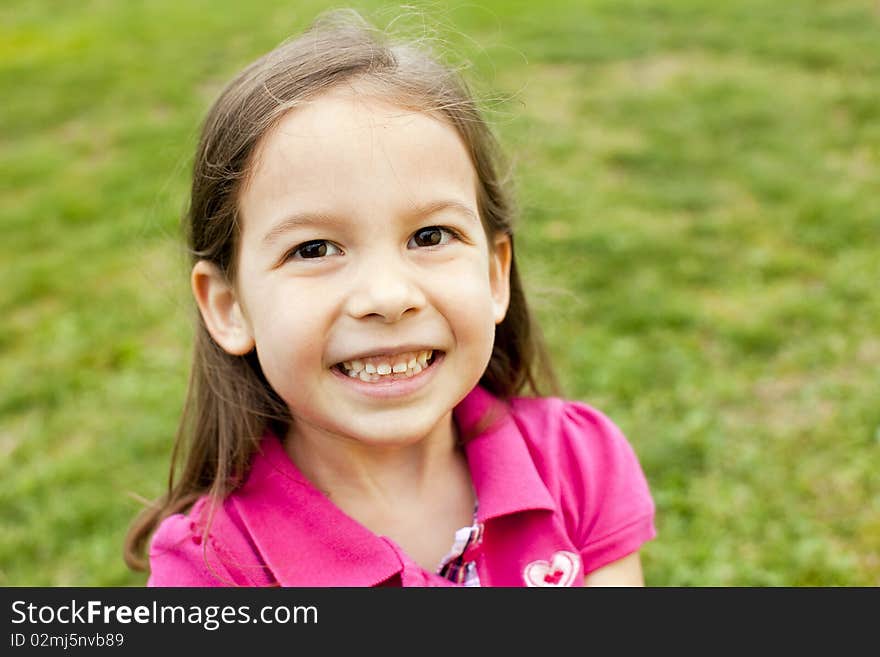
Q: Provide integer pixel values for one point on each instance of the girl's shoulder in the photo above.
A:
(592, 473)
(206, 546)
(557, 425)
(584, 459)
(561, 434)
(586, 468)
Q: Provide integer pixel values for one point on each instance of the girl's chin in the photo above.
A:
(392, 427)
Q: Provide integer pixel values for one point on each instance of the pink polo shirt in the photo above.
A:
(560, 494)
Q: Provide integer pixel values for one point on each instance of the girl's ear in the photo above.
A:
(499, 276)
(221, 310)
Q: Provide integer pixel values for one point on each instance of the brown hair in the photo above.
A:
(229, 403)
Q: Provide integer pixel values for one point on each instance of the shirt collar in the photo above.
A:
(306, 540)
(502, 469)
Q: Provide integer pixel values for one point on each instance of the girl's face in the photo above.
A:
(361, 241)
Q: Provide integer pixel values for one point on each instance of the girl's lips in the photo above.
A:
(393, 387)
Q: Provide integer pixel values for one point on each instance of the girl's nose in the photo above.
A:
(385, 289)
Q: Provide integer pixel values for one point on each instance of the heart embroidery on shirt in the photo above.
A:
(559, 571)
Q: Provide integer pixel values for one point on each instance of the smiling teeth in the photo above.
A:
(383, 367)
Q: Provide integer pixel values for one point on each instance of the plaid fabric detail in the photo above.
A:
(454, 567)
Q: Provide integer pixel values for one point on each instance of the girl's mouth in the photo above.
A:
(393, 368)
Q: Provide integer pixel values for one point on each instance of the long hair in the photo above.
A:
(229, 403)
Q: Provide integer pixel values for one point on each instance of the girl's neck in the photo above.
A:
(417, 494)
(378, 475)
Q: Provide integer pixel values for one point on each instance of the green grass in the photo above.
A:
(699, 184)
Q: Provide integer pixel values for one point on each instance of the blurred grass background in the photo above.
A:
(700, 194)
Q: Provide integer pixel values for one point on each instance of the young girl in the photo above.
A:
(353, 417)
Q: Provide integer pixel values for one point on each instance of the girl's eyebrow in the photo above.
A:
(298, 219)
(417, 211)
(427, 209)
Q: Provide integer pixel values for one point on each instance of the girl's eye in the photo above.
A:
(313, 249)
(433, 236)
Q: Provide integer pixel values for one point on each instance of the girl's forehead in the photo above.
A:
(350, 149)
(347, 114)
